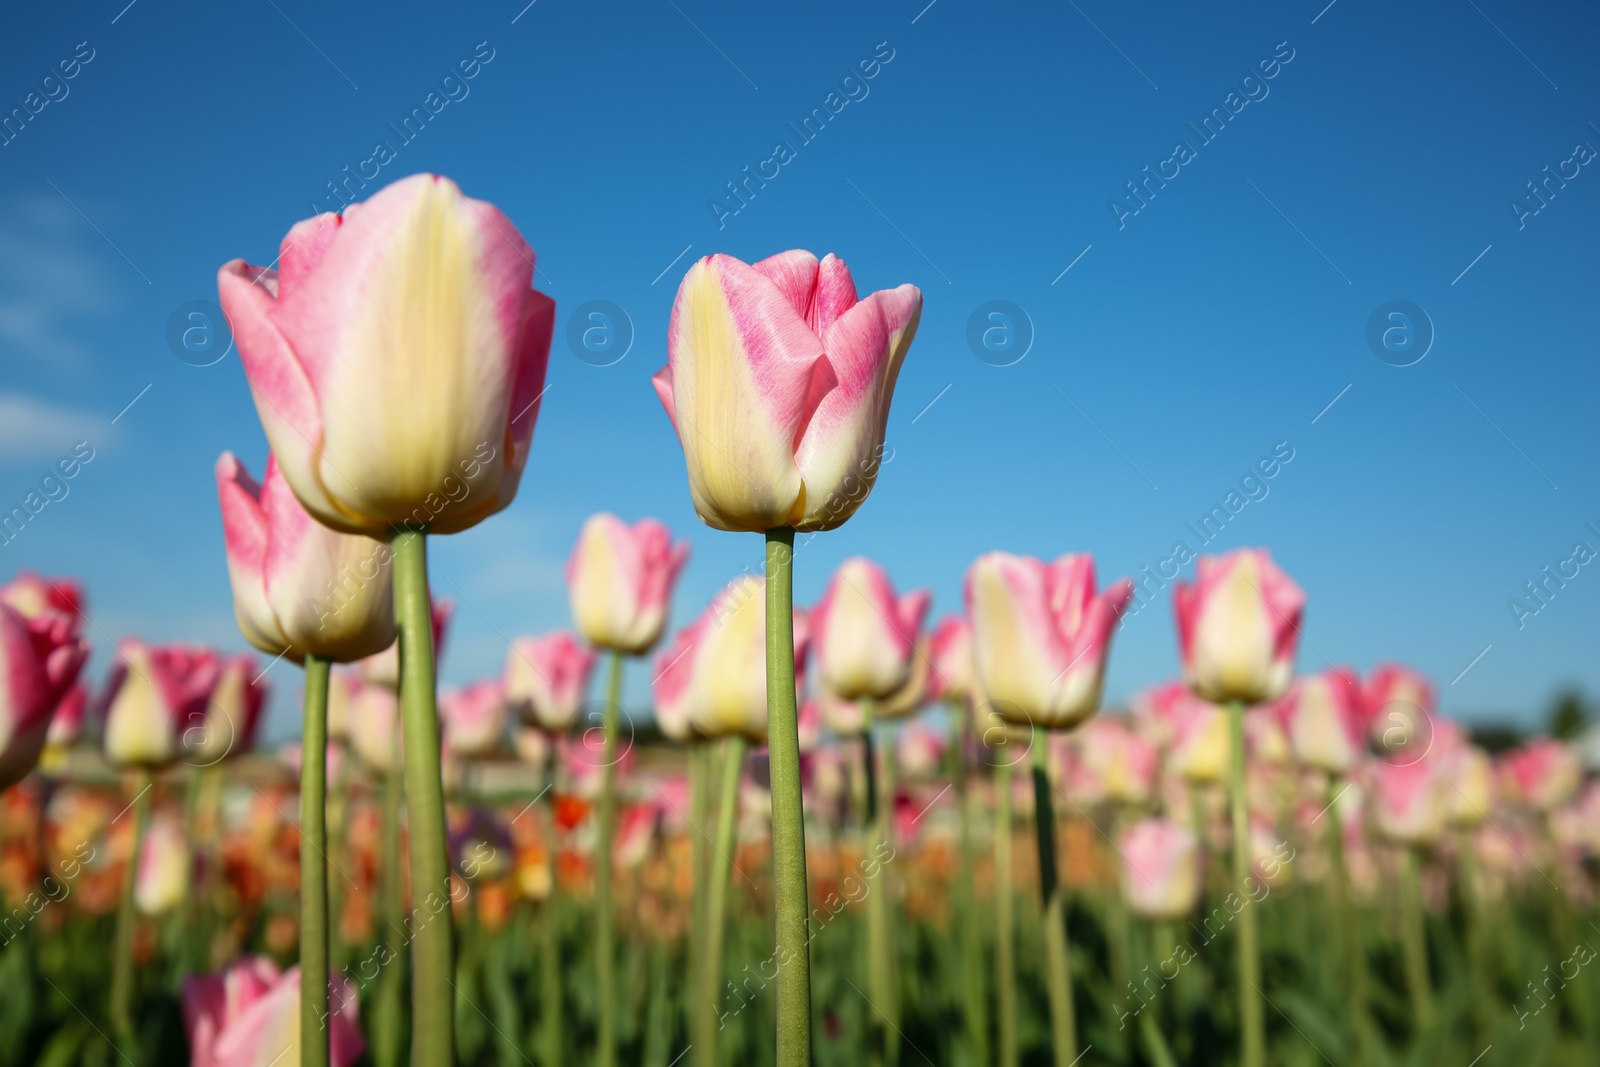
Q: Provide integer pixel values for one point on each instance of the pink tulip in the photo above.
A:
(620, 579)
(865, 636)
(249, 1016)
(300, 588)
(1324, 716)
(1238, 625)
(233, 713)
(372, 724)
(383, 668)
(1265, 739)
(1399, 707)
(727, 662)
(39, 660)
(1201, 747)
(397, 357)
(1545, 773)
(546, 679)
(33, 595)
(920, 749)
(158, 696)
(1125, 762)
(1041, 635)
(636, 832)
(66, 727)
(778, 382)
(845, 717)
(1161, 869)
(1158, 709)
(1471, 775)
(952, 660)
(1410, 800)
(473, 719)
(162, 877)
(669, 684)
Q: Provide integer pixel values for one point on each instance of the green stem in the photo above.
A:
(699, 804)
(977, 1022)
(388, 1017)
(1416, 946)
(549, 932)
(1155, 1042)
(1063, 1021)
(605, 917)
(338, 834)
(1478, 958)
(433, 958)
(1005, 964)
(1252, 1019)
(717, 897)
(790, 899)
(880, 916)
(314, 868)
(127, 917)
(1349, 924)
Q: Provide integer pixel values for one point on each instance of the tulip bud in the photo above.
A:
(1202, 749)
(1161, 870)
(300, 588)
(620, 579)
(1238, 625)
(778, 382)
(951, 649)
(728, 680)
(1041, 635)
(865, 635)
(473, 719)
(1409, 800)
(546, 678)
(374, 726)
(1324, 717)
(1125, 762)
(162, 877)
(397, 357)
(158, 697)
(1472, 775)
(248, 1015)
(39, 660)
(233, 713)
(845, 717)
(1399, 706)
(1545, 773)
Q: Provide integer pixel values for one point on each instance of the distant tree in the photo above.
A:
(1569, 716)
(1495, 738)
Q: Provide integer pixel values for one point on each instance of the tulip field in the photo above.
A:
(383, 686)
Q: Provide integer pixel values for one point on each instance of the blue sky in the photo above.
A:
(1171, 348)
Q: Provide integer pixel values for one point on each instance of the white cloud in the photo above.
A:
(51, 280)
(36, 429)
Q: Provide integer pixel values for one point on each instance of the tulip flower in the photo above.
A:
(1324, 716)
(1399, 708)
(33, 596)
(920, 749)
(849, 717)
(546, 679)
(39, 661)
(248, 1016)
(66, 726)
(164, 870)
(672, 674)
(374, 726)
(951, 649)
(727, 662)
(1200, 741)
(1409, 800)
(1238, 625)
(233, 713)
(620, 579)
(1158, 709)
(1546, 773)
(1471, 775)
(1041, 635)
(1124, 763)
(397, 357)
(865, 636)
(300, 588)
(778, 381)
(474, 718)
(1161, 869)
(158, 699)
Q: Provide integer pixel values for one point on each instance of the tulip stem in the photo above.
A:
(549, 932)
(880, 929)
(127, 918)
(717, 897)
(432, 993)
(1063, 1022)
(1416, 945)
(314, 867)
(977, 1022)
(605, 932)
(1355, 952)
(1252, 1019)
(1005, 965)
(790, 899)
(699, 805)
(388, 1027)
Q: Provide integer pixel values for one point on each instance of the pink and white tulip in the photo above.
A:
(249, 1016)
(397, 356)
(161, 879)
(727, 662)
(951, 649)
(1324, 716)
(546, 678)
(373, 725)
(1409, 801)
(1201, 747)
(1125, 763)
(620, 580)
(1545, 773)
(1041, 635)
(1161, 869)
(233, 714)
(1238, 626)
(920, 749)
(1400, 704)
(300, 588)
(39, 661)
(778, 382)
(864, 635)
(473, 719)
(34, 596)
(158, 700)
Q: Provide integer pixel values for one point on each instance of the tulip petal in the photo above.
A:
(795, 274)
